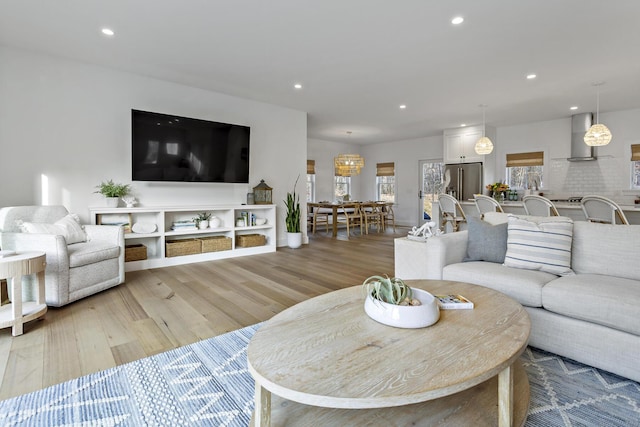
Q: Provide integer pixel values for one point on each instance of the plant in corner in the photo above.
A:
(292, 220)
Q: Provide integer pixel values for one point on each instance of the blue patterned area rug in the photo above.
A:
(207, 384)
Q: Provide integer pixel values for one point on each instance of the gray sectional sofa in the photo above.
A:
(592, 316)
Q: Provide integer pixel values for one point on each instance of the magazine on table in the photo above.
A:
(454, 302)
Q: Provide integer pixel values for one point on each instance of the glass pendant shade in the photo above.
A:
(484, 146)
(597, 135)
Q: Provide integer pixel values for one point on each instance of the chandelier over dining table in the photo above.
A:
(348, 164)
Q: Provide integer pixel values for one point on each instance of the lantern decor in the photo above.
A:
(262, 194)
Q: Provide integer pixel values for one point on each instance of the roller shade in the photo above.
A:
(311, 167)
(635, 152)
(535, 158)
(385, 169)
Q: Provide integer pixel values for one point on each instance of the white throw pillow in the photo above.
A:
(542, 244)
(69, 227)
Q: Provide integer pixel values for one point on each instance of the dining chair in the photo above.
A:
(319, 218)
(451, 212)
(372, 215)
(350, 215)
(388, 216)
(603, 210)
(486, 204)
(539, 206)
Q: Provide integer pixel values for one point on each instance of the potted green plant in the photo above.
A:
(292, 220)
(392, 302)
(112, 192)
(202, 220)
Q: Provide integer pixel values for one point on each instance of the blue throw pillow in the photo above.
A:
(486, 242)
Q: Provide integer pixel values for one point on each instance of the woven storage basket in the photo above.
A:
(249, 240)
(183, 247)
(215, 243)
(135, 252)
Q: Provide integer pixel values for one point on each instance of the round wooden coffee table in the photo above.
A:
(324, 357)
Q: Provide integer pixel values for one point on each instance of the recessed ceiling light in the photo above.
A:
(463, 125)
(531, 76)
(573, 108)
(457, 20)
(297, 86)
(107, 31)
(402, 107)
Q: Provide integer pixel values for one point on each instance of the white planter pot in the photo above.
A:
(203, 224)
(112, 202)
(294, 240)
(405, 316)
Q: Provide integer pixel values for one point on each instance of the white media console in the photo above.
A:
(165, 216)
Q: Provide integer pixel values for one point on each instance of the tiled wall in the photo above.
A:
(605, 176)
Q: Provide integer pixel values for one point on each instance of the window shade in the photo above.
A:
(535, 158)
(311, 167)
(385, 169)
(635, 152)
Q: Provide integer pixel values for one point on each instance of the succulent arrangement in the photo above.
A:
(390, 290)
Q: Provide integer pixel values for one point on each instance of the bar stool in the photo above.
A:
(603, 210)
(486, 204)
(451, 211)
(539, 206)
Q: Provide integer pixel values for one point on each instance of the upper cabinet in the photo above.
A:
(459, 144)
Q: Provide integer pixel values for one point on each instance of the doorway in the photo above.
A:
(431, 184)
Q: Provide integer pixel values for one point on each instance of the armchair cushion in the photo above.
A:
(69, 227)
(91, 252)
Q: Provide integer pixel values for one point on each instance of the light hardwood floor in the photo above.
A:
(160, 309)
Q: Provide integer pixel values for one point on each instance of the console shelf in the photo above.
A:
(163, 218)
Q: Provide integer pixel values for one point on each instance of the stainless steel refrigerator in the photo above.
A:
(463, 180)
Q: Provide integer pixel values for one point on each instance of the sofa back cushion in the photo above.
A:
(606, 249)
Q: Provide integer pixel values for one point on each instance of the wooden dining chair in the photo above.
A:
(350, 215)
(388, 216)
(372, 216)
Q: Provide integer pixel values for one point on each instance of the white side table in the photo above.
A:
(12, 268)
(410, 259)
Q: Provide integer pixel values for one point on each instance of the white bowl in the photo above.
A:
(261, 221)
(405, 316)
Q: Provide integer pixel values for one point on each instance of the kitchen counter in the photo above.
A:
(571, 210)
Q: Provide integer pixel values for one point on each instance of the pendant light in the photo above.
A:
(598, 134)
(484, 145)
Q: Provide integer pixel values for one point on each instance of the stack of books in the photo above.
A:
(184, 225)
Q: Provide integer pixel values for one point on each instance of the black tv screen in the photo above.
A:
(180, 149)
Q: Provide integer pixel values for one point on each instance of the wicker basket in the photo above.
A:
(249, 240)
(215, 243)
(183, 247)
(135, 252)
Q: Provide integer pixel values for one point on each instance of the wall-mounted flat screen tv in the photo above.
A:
(181, 149)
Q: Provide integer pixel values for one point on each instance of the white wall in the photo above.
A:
(71, 122)
(609, 176)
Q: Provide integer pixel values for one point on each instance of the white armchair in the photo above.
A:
(73, 270)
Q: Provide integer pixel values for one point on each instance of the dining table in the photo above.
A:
(335, 208)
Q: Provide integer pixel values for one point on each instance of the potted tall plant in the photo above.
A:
(292, 220)
(112, 192)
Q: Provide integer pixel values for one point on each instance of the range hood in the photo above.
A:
(581, 152)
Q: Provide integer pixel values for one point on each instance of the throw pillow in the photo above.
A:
(486, 242)
(69, 227)
(543, 244)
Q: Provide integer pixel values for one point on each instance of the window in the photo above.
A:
(525, 170)
(386, 182)
(635, 166)
(341, 186)
(311, 180)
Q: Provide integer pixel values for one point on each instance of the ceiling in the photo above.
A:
(359, 60)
